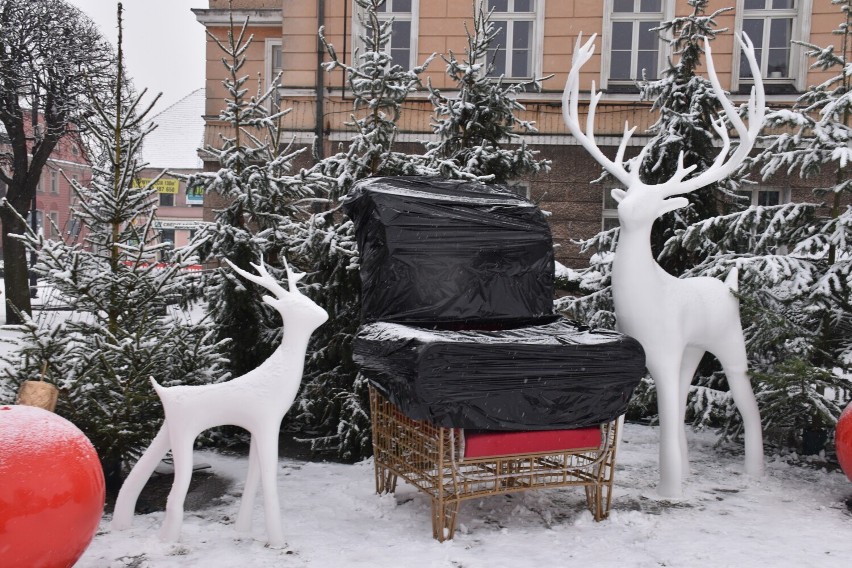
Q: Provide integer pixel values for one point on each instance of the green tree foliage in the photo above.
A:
(262, 203)
(124, 328)
(334, 404)
(479, 136)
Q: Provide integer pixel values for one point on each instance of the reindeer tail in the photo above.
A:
(125, 505)
(732, 281)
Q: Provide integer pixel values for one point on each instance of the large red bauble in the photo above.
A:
(843, 441)
(51, 489)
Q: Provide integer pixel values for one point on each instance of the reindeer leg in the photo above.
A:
(125, 504)
(735, 364)
(182, 442)
(244, 517)
(688, 365)
(267, 454)
(665, 374)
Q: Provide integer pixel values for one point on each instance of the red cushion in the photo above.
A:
(480, 444)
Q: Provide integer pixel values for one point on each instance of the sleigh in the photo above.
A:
(476, 386)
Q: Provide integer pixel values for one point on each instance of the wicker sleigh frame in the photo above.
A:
(431, 458)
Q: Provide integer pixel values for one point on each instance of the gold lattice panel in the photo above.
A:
(432, 459)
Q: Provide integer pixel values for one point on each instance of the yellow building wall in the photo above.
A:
(441, 28)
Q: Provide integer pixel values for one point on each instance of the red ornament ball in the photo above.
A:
(51, 489)
(843, 441)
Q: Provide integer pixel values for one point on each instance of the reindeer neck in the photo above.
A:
(634, 248)
(292, 349)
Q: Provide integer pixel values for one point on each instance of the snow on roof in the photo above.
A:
(180, 132)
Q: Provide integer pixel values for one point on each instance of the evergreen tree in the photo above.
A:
(262, 202)
(122, 330)
(334, 404)
(476, 127)
(686, 104)
(796, 269)
(49, 50)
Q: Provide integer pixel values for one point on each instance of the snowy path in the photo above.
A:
(793, 517)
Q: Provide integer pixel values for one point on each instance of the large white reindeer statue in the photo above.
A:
(675, 320)
(256, 401)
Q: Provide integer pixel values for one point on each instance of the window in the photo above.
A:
(54, 183)
(767, 196)
(610, 210)
(167, 199)
(772, 25)
(634, 50)
(274, 63)
(403, 42)
(167, 236)
(517, 43)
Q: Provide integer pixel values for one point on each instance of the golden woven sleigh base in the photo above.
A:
(432, 459)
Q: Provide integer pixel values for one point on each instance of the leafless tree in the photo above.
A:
(51, 56)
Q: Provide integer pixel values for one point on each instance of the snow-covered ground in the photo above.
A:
(794, 517)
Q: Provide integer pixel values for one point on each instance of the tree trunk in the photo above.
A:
(15, 270)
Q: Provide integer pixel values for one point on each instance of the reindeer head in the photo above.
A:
(640, 203)
(294, 307)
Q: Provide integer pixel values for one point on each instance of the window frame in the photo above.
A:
(268, 69)
(536, 17)
(609, 16)
(608, 213)
(413, 17)
(800, 31)
(784, 194)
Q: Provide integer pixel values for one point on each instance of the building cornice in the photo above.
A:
(215, 17)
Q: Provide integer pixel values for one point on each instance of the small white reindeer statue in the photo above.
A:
(675, 320)
(256, 401)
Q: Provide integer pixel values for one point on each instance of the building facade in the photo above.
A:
(169, 150)
(537, 39)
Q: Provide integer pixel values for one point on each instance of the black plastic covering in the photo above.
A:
(450, 253)
(548, 376)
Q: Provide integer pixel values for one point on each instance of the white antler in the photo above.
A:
(268, 281)
(723, 165)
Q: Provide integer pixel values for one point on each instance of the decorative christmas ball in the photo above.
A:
(843, 441)
(51, 489)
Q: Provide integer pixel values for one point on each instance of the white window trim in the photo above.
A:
(358, 30)
(606, 41)
(798, 56)
(267, 59)
(783, 197)
(607, 212)
(537, 47)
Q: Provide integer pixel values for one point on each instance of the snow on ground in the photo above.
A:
(795, 516)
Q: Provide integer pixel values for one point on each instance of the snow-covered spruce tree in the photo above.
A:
(796, 264)
(686, 104)
(479, 136)
(261, 202)
(122, 330)
(334, 403)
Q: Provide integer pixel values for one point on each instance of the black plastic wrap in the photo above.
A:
(445, 252)
(548, 376)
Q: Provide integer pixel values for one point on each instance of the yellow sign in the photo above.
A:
(162, 185)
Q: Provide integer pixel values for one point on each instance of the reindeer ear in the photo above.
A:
(618, 194)
(674, 203)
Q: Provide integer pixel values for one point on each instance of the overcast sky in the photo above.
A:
(163, 43)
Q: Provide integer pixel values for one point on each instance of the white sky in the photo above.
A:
(163, 44)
